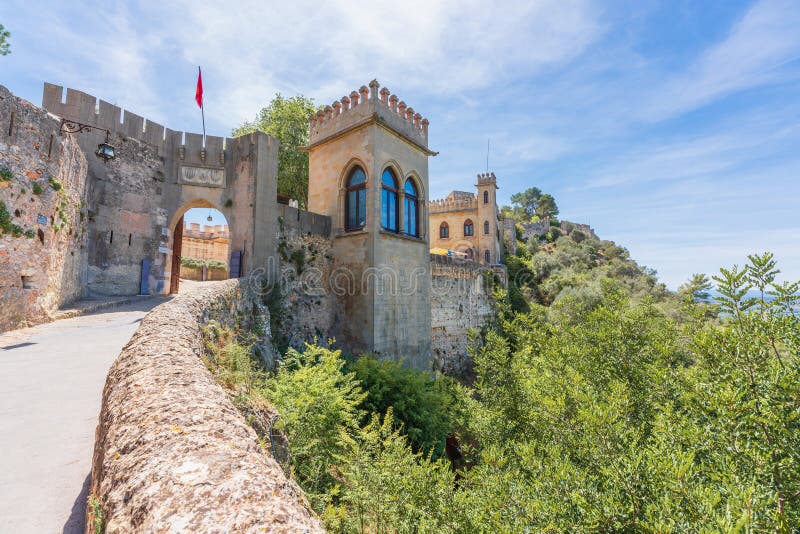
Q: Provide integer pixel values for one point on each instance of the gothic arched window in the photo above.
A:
(444, 230)
(485, 227)
(389, 201)
(356, 200)
(468, 228)
(485, 197)
(487, 256)
(410, 209)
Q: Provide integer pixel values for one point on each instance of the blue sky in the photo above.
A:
(671, 127)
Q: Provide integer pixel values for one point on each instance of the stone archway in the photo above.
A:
(176, 229)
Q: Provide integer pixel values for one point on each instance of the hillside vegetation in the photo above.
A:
(602, 402)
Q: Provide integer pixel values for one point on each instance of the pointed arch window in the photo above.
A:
(469, 229)
(487, 256)
(389, 207)
(444, 230)
(411, 209)
(486, 227)
(485, 197)
(356, 200)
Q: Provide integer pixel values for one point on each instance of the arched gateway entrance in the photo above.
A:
(156, 176)
(201, 249)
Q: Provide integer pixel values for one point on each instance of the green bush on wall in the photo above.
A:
(6, 175)
(197, 263)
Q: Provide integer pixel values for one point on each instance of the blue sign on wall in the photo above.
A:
(41, 219)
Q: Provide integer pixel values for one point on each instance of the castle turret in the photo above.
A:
(368, 170)
(488, 231)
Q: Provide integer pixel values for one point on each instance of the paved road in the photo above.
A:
(51, 381)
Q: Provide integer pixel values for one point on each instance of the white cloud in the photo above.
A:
(766, 38)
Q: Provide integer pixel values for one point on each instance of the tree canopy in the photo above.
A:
(286, 119)
(5, 46)
(530, 205)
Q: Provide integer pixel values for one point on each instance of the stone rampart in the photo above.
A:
(42, 220)
(135, 201)
(294, 221)
(461, 299)
(172, 453)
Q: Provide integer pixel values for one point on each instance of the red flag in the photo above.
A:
(198, 94)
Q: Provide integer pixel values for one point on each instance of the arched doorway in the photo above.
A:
(200, 245)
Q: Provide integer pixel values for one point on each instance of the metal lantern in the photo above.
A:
(105, 151)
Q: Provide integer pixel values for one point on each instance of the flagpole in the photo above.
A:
(203, 111)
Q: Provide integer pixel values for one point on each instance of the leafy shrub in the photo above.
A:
(37, 189)
(427, 407)
(577, 236)
(196, 263)
(6, 175)
(56, 185)
(319, 403)
(6, 224)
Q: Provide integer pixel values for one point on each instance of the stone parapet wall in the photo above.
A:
(43, 247)
(461, 299)
(172, 453)
(294, 221)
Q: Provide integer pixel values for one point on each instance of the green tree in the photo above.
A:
(318, 404)
(526, 202)
(696, 287)
(546, 207)
(428, 407)
(286, 119)
(5, 46)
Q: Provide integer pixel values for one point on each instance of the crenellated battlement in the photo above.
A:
(87, 109)
(369, 103)
(487, 178)
(452, 204)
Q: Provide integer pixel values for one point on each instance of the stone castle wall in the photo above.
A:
(461, 299)
(43, 267)
(172, 452)
(136, 199)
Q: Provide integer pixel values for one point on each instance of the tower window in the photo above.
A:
(411, 209)
(485, 197)
(486, 227)
(389, 206)
(468, 228)
(444, 230)
(487, 256)
(356, 200)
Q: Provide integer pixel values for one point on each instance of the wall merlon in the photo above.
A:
(153, 133)
(87, 109)
(133, 126)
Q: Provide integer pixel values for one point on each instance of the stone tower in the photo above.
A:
(487, 213)
(368, 171)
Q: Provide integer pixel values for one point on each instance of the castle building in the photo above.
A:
(210, 243)
(467, 225)
(368, 171)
